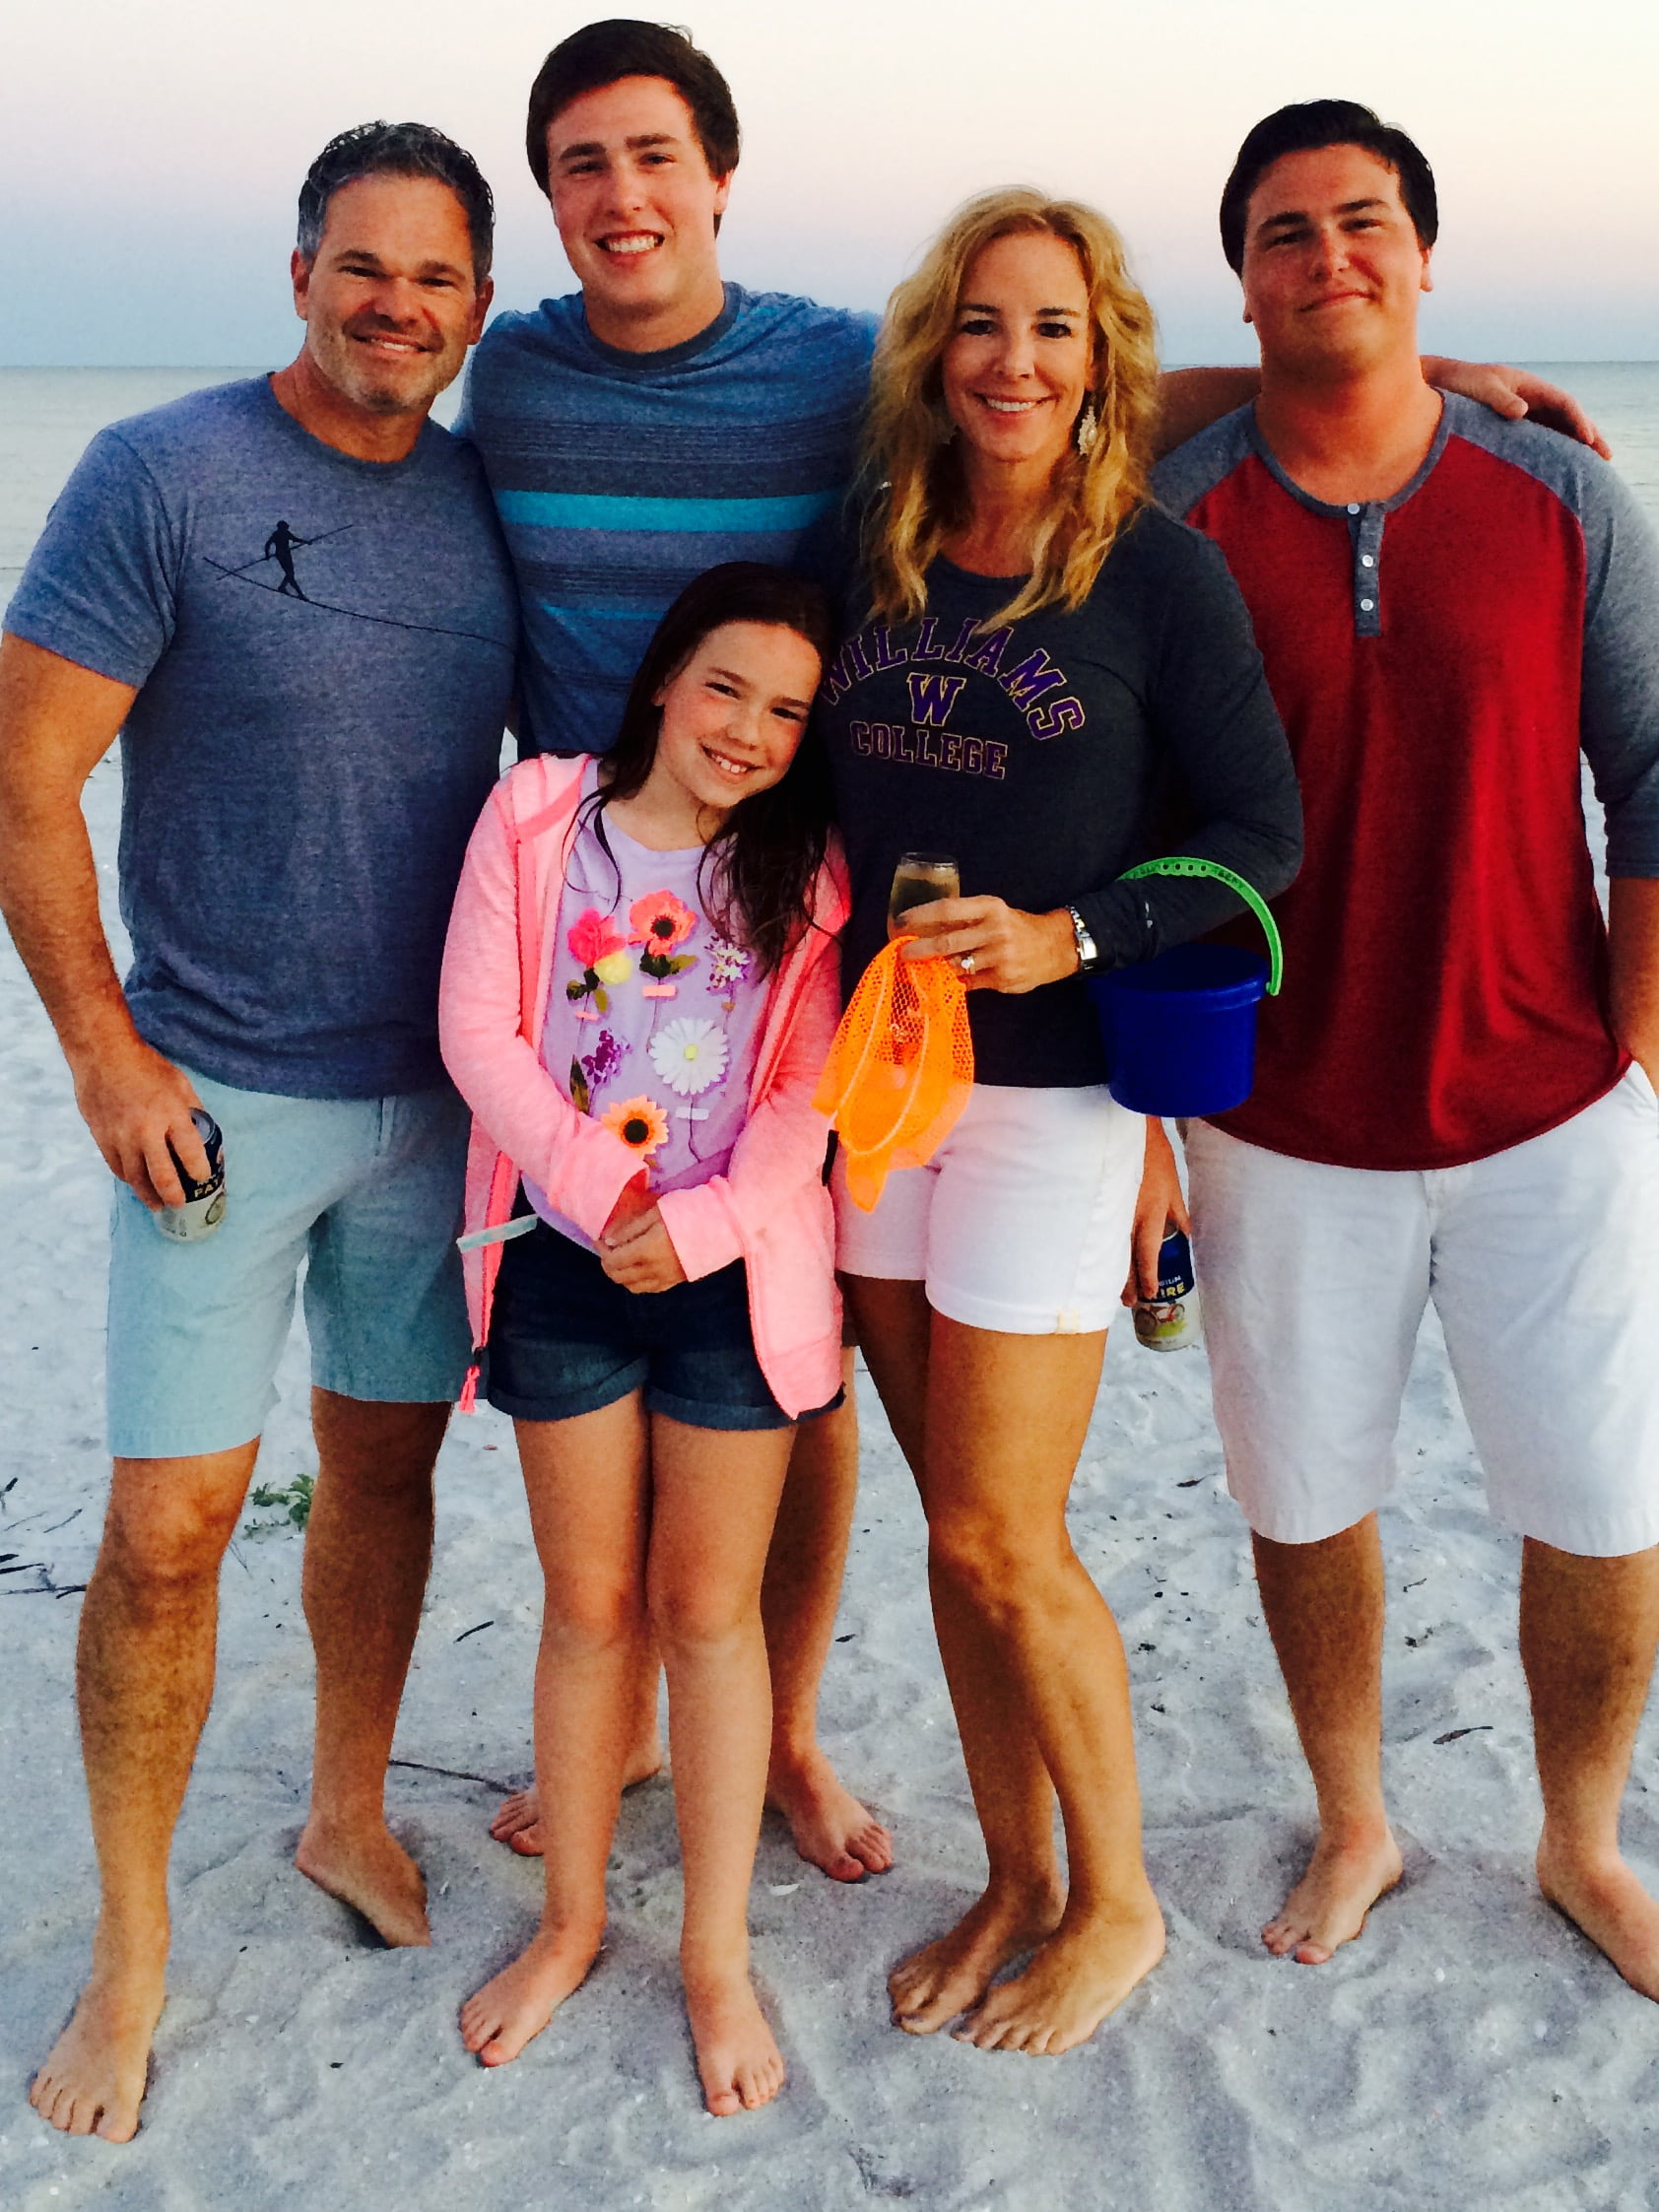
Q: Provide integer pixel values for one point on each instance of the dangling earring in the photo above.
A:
(1088, 431)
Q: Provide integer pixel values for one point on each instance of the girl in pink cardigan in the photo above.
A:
(640, 990)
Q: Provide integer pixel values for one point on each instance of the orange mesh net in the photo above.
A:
(900, 1070)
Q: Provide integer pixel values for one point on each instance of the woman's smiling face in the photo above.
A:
(733, 717)
(1017, 370)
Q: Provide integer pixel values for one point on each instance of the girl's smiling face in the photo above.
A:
(733, 715)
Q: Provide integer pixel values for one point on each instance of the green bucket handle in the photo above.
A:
(1184, 864)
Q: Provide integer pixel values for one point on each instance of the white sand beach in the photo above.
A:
(1473, 2052)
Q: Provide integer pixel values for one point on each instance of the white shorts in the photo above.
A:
(1543, 1263)
(1020, 1222)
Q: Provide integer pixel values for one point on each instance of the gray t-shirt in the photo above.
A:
(323, 649)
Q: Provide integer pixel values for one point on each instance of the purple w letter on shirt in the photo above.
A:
(933, 696)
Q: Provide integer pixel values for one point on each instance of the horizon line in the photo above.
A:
(248, 367)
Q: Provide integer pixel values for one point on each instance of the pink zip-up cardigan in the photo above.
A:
(770, 1208)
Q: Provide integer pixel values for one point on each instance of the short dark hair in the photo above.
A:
(624, 46)
(398, 150)
(1304, 128)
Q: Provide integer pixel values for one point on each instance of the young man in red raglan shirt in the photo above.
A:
(1454, 1095)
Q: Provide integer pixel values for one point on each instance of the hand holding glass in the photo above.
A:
(919, 879)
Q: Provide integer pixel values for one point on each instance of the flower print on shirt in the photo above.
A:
(728, 965)
(659, 921)
(646, 910)
(601, 948)
(589, 1071)
(690, 1057)
(641, 1123)
(606, 1058)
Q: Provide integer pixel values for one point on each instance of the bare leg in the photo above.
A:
(1324, 1607)
(143, 1675)
(1590, 1630)
(1023, 1896)
(1006, 1420)
(832, 1831)
(519, 1818)
(798, 1601)
(588, 1484)
(713, 1499)
(368, 1548)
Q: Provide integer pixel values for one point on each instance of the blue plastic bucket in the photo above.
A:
(1181, 1030)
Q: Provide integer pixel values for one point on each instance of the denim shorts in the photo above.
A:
(565, 1340)
(363, 1196)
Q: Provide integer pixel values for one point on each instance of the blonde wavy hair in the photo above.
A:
(910, 468)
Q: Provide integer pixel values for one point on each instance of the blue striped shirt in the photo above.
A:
(619, 476)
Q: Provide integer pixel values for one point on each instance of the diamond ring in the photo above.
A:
(965, 964)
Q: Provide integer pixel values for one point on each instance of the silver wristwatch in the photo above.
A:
(1087, 952)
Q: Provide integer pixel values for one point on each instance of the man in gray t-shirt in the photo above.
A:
(290, 598)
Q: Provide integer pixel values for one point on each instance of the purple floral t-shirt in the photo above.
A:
(651, 1015)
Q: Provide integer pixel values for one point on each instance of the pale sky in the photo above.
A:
(149, 155)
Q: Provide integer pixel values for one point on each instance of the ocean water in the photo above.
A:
(47, 416)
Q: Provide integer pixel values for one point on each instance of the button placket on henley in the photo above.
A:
(1364, 528)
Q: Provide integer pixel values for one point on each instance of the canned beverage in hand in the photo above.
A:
(204, 1202)
(1169, 1321)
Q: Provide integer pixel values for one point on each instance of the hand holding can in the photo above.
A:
(203, 1209)
(1168, 1322)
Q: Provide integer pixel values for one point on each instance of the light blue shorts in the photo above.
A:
(366, 1194)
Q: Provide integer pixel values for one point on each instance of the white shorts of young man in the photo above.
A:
(1020, 1222)
(1543, 1265)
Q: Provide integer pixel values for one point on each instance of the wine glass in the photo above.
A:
(918, 878)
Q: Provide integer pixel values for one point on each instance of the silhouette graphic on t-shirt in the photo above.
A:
(281, 547)
(282, 543)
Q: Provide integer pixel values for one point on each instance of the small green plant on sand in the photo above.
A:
(291, 1506)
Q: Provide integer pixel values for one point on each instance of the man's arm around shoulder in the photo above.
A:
(1189, 400)
(58, 720)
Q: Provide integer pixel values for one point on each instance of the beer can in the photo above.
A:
(1168, 1322)
(204, 1202)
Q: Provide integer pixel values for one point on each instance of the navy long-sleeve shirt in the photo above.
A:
(1049, 756)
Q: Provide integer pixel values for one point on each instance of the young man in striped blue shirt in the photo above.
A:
(661, 420)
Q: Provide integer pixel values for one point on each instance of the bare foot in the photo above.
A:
(518, 1822)
(1607, 1902)
(1080, 1975)
(368, 1869)
(1327, 1909)
(945, 1977)
(94, 2081)
(739, 2062)
(832, 1831)
(523, 1999)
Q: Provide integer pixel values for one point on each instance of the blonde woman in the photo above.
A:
(1038, 667)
